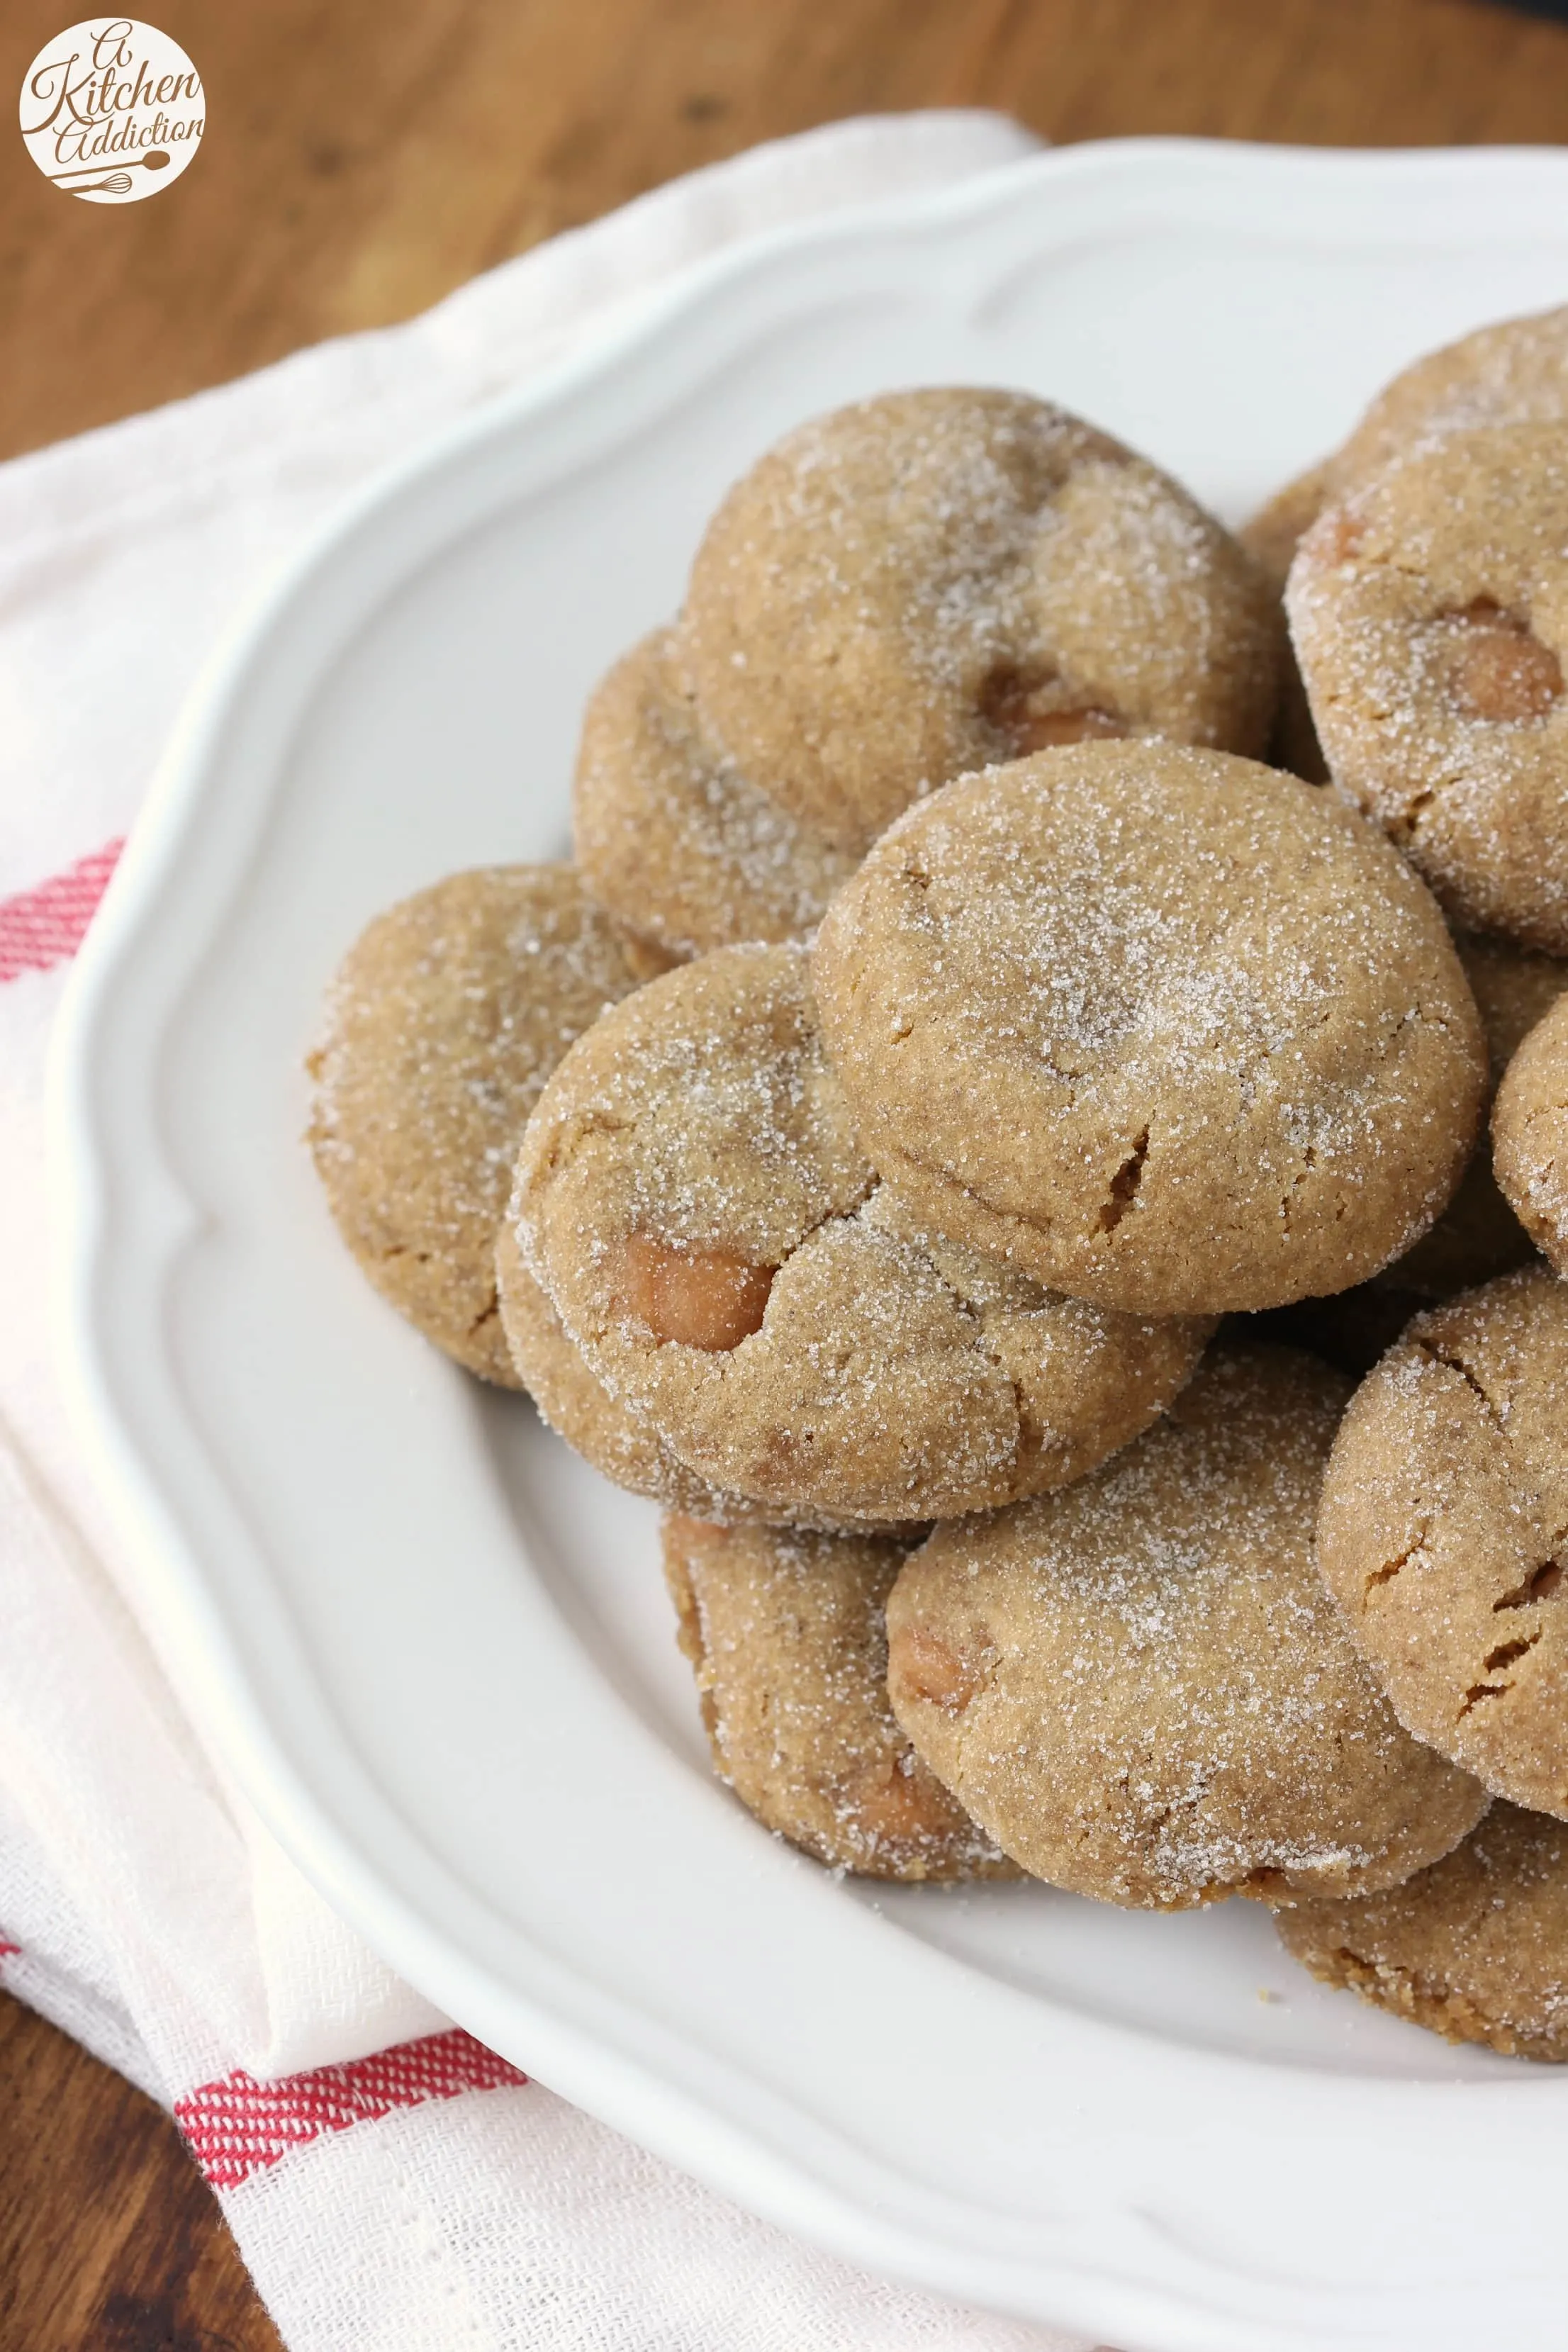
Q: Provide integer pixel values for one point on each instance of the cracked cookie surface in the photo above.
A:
(1475, 1948)
(909, 587)
(1429, 613)
(1159, 1026)
(785, 1634)
(690, 1196)
(1139, 1685)
(1443, 1532)
(442, 1024)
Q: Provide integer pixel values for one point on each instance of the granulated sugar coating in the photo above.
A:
(1139, 1686)
(1513, 373)
(787, 1635)
(1443, 1532)
(671, 836)
(1162, 1027)
(1429, 612)
(691, 1199)
(1530, 1134)
(1478, 1236)
(910, 587)
(442, 1024)
(1475, 1949)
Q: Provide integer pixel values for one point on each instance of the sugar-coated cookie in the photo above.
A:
(1164, 1028)
(1139, 1685)
(787, 1635)
(925, 581)
(1443, 1528)
(1515, 373)
(1429, 613)
(668, 833)
(443, 1023)
(1530, 1134)
(1475, 1948)
(691, 1198)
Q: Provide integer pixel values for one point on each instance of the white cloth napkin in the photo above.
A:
(394, 2187)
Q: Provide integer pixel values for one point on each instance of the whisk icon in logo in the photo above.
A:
(111, 109)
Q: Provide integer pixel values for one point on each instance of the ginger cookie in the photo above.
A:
(1272, 536)
(1161, 1027)
(1429, 611)
(668, 833)
(913, 586)
(1139, 1685)
(1478, 1236)
(1475, 1948)
(443, 1023)
(787, 1635)
(1443, 1532)
(1530, 1134)
(690, 1197)
(1515, 373)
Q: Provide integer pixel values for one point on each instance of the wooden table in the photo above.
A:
(361, 159)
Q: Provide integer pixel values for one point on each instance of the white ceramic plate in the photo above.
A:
(434, 1647)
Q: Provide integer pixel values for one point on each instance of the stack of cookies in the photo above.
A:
(953, 1066)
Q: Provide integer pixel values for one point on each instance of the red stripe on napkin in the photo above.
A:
(9, 1952)
(238, 2125)
(45, 925)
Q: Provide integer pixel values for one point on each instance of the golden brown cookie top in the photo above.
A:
(1475, 1949)
(787, 1635)
(1163, 1027)
(912, 586)
(1429, 611)
(1515, 373)
(670, 836)
(692, 1199)
(1443, 1528)
(1139, 1685)
(442, 1024)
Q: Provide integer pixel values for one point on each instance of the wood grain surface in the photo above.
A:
(363, 158)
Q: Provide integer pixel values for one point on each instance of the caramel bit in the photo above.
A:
(1498, 670)
(887, 1802)
(1338, 535)
(1034, 719)
(923, 1666)
(703, 1298)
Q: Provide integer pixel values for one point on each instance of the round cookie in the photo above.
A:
(1164, 1028)
(443, 1022)
(1429, 612)
(1442, 1531)
(786, 1636)
(1140, 1687)
(913, 586)
(1530, 1134)
(691, 1199)
(1478, 1236)
(1475, 1948)
(1515, 373)
(668, 833)
(1272, 536)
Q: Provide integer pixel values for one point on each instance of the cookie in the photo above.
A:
(786, 1636)
(1272, 537)
(691, 1198)
(910, 587)
(1429, 611)
(1139, 1685)
(1163, 1028)
(443, 1023)
(1442, 1531)
(668, 833)
(1478, 1236)
(1515, 373)
(1530, 1134)
(1475, 1948)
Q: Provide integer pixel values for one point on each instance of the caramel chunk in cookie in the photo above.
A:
(1475, 1948)
(1139, 1687)
(690, 1195)
(1159, 1026)
(444, 1020)
(931, 580)
(787, 1635)
(1443, 1532)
